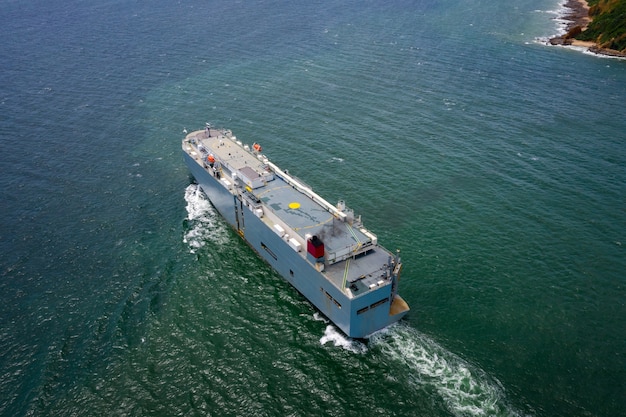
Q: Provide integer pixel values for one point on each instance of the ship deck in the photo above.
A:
(366, 265)
(310, 218)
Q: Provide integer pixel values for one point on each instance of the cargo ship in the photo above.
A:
(322, 249)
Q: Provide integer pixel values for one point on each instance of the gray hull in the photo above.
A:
(358, 312)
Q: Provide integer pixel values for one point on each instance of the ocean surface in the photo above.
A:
(496, 164)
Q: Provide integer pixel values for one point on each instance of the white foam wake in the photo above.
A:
(331, 334)
(202, 220)
(464, 389)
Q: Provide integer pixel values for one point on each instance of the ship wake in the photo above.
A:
(464, 389)
(334, 336)
(203, 223)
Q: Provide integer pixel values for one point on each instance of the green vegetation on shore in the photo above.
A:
(608, 26)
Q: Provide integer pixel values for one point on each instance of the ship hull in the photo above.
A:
(357, 317)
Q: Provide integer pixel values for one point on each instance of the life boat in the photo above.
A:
(210, 159)
(256, 147)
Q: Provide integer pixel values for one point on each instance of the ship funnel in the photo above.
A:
(315, 248)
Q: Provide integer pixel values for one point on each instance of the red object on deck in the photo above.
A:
(315, 247)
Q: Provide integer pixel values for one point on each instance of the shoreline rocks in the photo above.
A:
(578, 19)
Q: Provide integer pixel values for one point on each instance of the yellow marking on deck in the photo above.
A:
(314, 225)
(345, 274)
(354, 235)
(294, 205)
(272, 189)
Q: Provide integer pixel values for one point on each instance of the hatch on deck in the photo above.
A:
(250, 177)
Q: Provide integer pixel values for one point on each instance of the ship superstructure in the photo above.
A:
(322, 249)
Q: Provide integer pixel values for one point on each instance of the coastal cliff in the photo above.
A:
(599, 25)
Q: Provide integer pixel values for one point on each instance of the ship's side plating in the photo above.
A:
(357, 305)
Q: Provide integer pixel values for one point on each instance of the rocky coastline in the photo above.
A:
(578, 19)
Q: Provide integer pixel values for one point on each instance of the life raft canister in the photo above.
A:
(256, 147)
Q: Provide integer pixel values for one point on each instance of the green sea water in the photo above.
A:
(496, 164)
